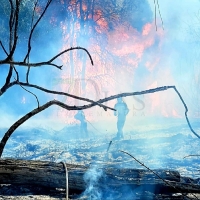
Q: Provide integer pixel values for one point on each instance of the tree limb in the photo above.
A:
(3, 48)
(29, 92)
(16, 18)
(65, 94)
(158, 89)
(191, 156)
(29, 42)
(49, 62)
(101, 101)
(17, 74)
(31, 114)
(165, 181)
(11, 23)
(35, 25)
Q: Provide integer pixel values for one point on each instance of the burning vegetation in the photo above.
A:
(88, 57)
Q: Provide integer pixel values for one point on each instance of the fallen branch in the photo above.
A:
(165, 181)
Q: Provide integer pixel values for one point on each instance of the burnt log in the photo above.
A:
(53, 175)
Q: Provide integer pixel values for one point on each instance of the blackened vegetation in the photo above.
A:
(41, 177)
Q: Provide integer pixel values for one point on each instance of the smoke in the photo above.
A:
(91, 178)
(179, 49)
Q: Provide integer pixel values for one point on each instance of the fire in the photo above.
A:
(118, 55)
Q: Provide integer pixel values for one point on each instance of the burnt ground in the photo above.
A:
(158, 147)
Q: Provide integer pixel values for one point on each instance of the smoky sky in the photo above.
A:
(176, 49)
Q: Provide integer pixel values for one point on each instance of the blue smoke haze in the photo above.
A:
(155, 128)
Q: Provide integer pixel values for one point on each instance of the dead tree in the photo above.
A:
(9, 52)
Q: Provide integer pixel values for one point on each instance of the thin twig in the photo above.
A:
(70, 49)
(67, 182)
(191, 156)
(66, 94)
(15, 30)
(17, 74)
(32, 30)
(11, 23)
(3, 48)
(33, 15)
(29, 92)
(155, 15)
(168, 183)
(160, 14)
(29, 42)
(49, 62)
(27, 73)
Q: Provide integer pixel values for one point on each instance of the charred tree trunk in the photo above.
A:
(52, 175)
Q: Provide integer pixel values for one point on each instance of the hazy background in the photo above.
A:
(141, 58)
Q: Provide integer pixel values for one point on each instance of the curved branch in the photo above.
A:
(70, 49)
(49, 62)
(55, 102)
(29, 92)
(3, 48)
(16, 18)
(158, 89)
(6, 87)
(3, 90)
(32, 30)
(65, 94)
(31, 114)
(99, 103)
(17, 74)
(165, 181)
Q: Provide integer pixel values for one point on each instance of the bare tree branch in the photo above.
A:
(29, 42)
(160, 14)
(49, 62)
(191, 156)
(158, 89)
(27, 73)
(9, 75)
(35, 25)
(3, 48)
(6, 87)
(17, 74)
(31, 114)
(165, 181)
(99, 103)
(66, 94)
(29, 92)
(11, 23)
(155, 15)
(15, 30)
